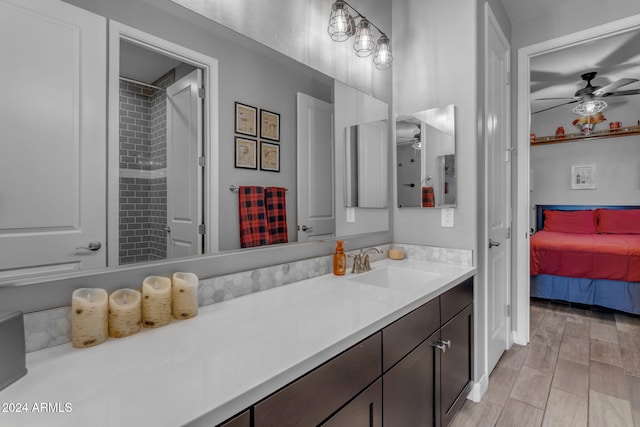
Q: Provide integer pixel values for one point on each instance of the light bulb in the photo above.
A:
(383, 57)
(364, 43)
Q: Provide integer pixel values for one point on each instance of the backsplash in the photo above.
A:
(49, 328)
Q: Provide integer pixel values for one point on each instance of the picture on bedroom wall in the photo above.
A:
(269, 157)
(246, 119)
(269, 125)
(583, 177)
(246, 153)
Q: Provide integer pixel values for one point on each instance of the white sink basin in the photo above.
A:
(395, 278)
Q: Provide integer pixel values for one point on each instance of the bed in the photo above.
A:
(587, 255)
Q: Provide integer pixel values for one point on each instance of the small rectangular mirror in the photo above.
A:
(426, 166)
(366, 149)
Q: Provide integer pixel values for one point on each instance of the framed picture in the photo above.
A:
(269, 125)
(246, 119)
(246, 153)
(269, 157)
(583, 177)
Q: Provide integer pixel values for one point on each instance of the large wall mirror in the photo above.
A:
(154, 194)
(426, 158)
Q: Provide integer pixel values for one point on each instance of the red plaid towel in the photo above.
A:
(276, 206)
(428, 199)
(253, 217)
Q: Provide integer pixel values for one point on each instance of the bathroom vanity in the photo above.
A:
(392, 346)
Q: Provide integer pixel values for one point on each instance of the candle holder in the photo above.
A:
(184, 295)
(89, 317)
(125, 313)
(156, 301)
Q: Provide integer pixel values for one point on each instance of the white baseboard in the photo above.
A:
(479, 388)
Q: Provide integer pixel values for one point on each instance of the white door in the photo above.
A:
(316, 217)
(53, 132)
(184, 176)
(498, 170)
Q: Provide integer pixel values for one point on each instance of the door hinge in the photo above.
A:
(202, 161)
(507, 310)
(508, 82)
(507, 233)
(201, 229)
(201, 92)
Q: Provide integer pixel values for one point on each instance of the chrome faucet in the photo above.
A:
(361, 261)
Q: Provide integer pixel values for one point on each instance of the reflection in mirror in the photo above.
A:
(366, 147)
(426, 167)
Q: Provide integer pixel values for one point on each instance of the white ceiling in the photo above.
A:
(557, 74)
(143, 64)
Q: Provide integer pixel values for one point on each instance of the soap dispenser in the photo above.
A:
(339, 260)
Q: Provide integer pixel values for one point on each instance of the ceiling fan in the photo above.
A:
(590, 92)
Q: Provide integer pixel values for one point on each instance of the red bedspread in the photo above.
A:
(596, 256)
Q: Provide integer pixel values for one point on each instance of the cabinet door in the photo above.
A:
(363, 411)
(409, 388)
(456, 363)
(242, 420)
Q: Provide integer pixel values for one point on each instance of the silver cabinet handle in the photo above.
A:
(493, 243)
(93, 245)
(447, 343)
(441, 347)
(305, 228)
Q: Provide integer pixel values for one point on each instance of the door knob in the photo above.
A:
(305, 228)
(167, 229)
(493, 243)
(93, 245)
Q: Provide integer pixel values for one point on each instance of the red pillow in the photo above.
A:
(613, 221)
(581, 222)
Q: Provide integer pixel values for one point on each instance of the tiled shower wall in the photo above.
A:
(143, 183)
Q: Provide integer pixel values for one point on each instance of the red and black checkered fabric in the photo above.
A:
(428, 198)
(253, 217)
(276, 206)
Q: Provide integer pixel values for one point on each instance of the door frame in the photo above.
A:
(521, 283)
(209, 66)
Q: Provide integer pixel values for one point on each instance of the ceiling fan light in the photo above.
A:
(340, 22)
(383, 57)
(588, 108)
(364, 43)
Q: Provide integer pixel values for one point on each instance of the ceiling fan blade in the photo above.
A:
(556, 106)
(624, 92)
(549, 99)
(613, 86)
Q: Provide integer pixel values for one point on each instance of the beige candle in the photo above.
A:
(89, 317)
(184, 295)
(156, 301)
(125, 313)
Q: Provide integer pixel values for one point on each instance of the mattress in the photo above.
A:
(596, 256)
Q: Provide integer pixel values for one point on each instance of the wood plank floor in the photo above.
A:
(581, 368)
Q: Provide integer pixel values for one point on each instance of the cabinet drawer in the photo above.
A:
(454, 300)
(315, 396)
(400, 337)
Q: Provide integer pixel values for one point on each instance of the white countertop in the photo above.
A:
(203, 370)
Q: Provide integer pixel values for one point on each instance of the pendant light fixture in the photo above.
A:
(588, 108)
(342, 26)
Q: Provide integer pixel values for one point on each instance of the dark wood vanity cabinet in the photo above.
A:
(429, 384)
(415, 372)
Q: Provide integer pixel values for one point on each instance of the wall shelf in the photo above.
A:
(570, 137)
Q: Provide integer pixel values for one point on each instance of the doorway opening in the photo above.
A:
(162, 130)
(524, 207)
(145, 232)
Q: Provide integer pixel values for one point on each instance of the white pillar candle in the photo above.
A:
(89, 317)
(156, 301)
(125, 313)
(185, 295)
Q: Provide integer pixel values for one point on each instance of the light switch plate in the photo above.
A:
(447, 219)
(351, 214)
